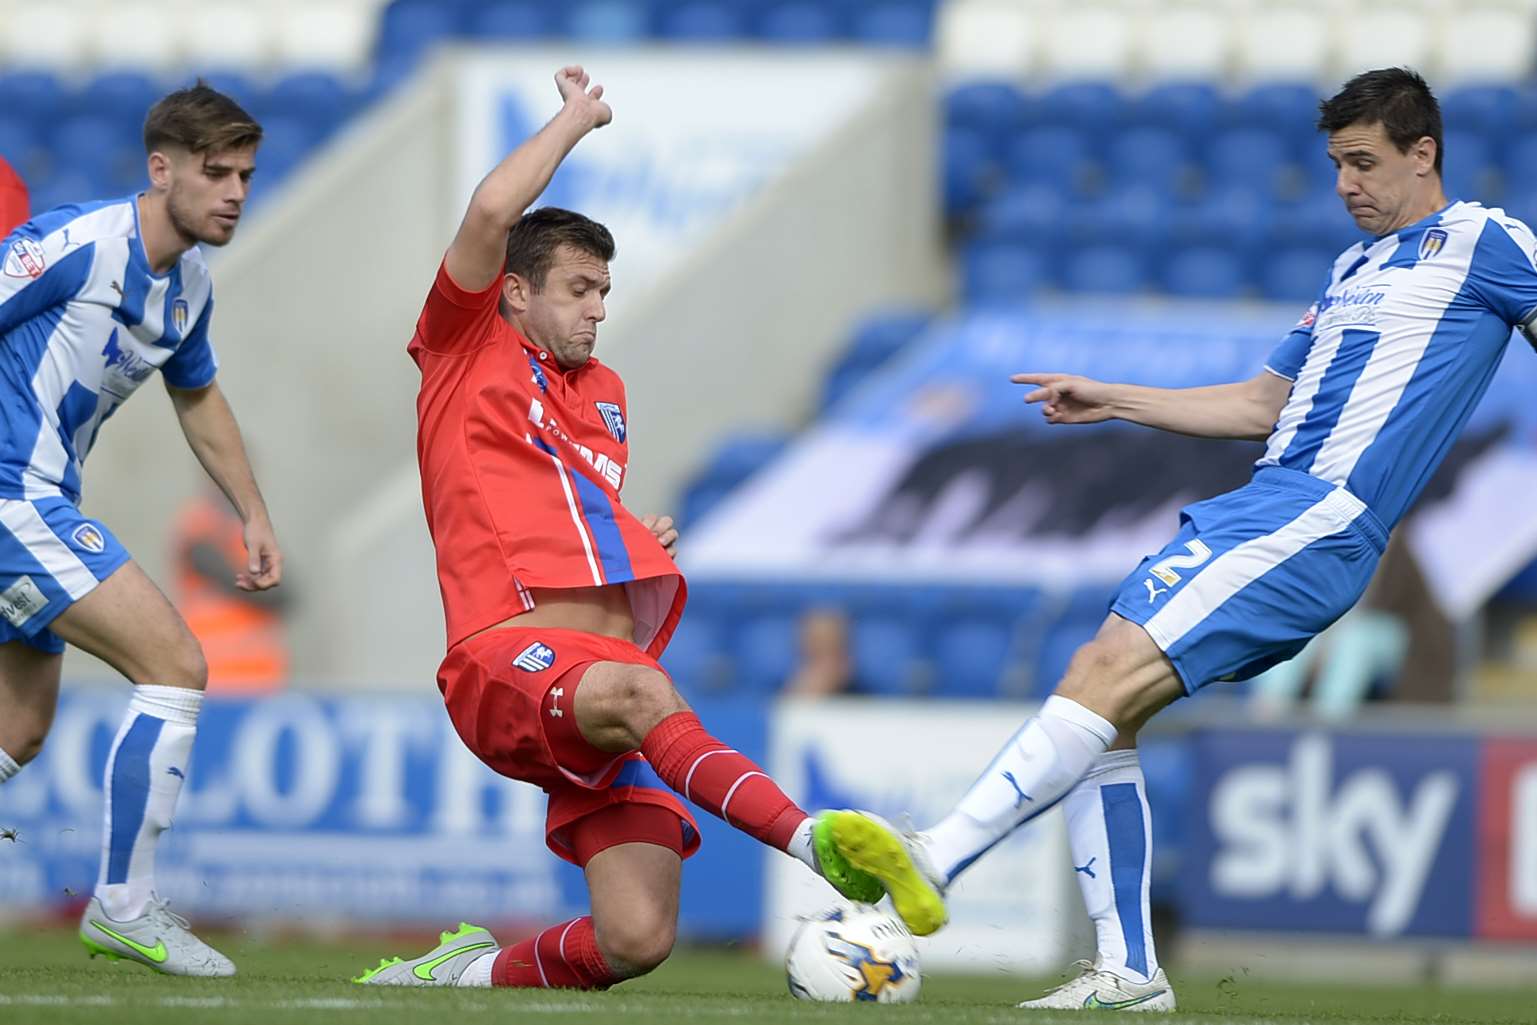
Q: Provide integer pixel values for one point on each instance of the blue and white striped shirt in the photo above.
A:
(1388, 365)
(83, 322)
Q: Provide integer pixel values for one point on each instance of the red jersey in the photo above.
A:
(13, 199)
(521, 465)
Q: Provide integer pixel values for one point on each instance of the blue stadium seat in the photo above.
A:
(766, 651)
(1028, 214)
(995, 109)
(409, 28)
(1059, 157)
(119, 94)
(1465, 167)
(1206, 272)
(36, 94)
(531, 20)
(907, 24)
(234, 84)
(21, 146)
(1289, 108)
(1150, 157)
(1132, 217)
(1115, 269)
(799, 22)
(1188, 108)
(699, 500)
(740, 455)
(1095, 108)
(70, 186)
(1072, 622)
(878, 339)
(1235, 216)
(696, 656)
(1318, 221)
(1004, 272)
(317, 98)
(1296, 275)
(609, 21)
(1486, 110)
(704, 21)
(91, 144)
(972, 658)
(1520, 165)
(970, 170)
(1249, 158)
(285, 143)
(886, 654)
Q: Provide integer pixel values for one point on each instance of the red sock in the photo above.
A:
(564, 956)
(720, 780)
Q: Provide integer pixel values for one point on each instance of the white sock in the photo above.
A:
(1034, 770)
(145, 770)
(8, 767)
(1110, 833)
(800, 844)
(479, 971)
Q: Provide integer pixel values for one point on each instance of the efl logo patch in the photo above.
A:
(1431, 242)
(21, 601)
(88, 537)
(179, 315)
(613, 417)
(535, 658)
(25, 260)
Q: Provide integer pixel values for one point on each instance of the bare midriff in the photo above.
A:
(601, 610)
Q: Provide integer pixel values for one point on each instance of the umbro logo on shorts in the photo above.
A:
(535, 658)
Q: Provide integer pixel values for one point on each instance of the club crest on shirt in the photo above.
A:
(613, 417)
(89, 538)
(535, 658)
(25, 259)
(179, 315)
(1431, 242)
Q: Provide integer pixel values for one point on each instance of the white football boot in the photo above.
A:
(158, 939)
(1099, 990)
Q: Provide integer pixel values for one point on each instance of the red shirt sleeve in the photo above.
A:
(14, 206)
(453, 321)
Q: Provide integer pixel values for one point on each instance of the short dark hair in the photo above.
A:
(532, 242)
(201, 119)
(1397, 98)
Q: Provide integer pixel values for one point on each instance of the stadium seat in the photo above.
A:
(987, 39)
(876, 341)
(1137, 218)
(992, 109)
(232, 34)
(1184, 42)
(1287, 108)
(1095, 109)
(1250, 158)
(970, 170)
(887, 656)
(285, 143)
(339, 35)
(1188, 108)
(696, 657)
(1090, 39)
(1206, 272)
(135, 34)
(69, 186)
(740, 455)
(232, 83)
(904, 24)
(1283, 42)
(1030, 215)
(1520, 164)
(1318, 220)
(1380, 34)
(87, 142)
(1149, 157)
(46, 37)
(1055, 157)
(119, 94)
(699, 499)
(33, 93)
(1296, 275)
(1109, 269)
(799, 22)
(1466, 168)
(317, 98)
(1487, 110)
(608, 21)
(765, 652)
(704, 21)
(529, 20)
(1003, 272)
(1487, 42)
(972, 658)
(1236, 217)
(409, 28)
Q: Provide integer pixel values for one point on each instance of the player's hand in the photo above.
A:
(585, 103)
(664, 531)
(264, 562)
(1068, 399)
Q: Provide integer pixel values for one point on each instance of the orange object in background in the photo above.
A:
(242, 632)
(15, 206)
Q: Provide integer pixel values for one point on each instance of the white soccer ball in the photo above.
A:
(853, 953)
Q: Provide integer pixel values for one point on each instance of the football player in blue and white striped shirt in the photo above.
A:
(94, 299)
(1358, 405)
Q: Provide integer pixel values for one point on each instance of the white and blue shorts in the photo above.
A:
(51, 556)
(1253, 575)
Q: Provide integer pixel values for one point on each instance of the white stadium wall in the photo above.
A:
(744, 260)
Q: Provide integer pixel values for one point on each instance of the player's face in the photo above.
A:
(563, 317)
(207, 193)
(1382, 187)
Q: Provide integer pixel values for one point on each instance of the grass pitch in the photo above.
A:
(46, 978)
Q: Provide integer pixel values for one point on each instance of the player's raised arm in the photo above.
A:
(1244, 409)
(478, 251)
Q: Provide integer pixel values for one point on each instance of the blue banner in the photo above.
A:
(1367, 833)
(339, 808)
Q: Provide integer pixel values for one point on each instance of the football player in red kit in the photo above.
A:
(558, 600)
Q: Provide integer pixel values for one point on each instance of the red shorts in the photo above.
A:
(509, 694)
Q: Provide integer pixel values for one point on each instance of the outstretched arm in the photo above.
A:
(214, 437)
(475, 258)
(1245, 409)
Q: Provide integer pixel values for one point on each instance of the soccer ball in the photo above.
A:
(852, 953)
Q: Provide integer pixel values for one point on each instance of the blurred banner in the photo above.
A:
(936, 471)
(694, 137)
(1018, 909)
(338, 809)
(1384, 834)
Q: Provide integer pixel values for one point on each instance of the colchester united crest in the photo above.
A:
(89, 537)
(180, 313)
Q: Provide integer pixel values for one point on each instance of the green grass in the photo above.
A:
(47, 979)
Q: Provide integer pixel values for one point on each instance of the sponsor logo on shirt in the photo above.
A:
(535, 658)
(88, 537)
(613, 419)
(25, 260)
(21, 601)
(608, 469)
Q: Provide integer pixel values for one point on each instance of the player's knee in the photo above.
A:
(26, 741)
(639, 942)
(187, 666)
(638, 698)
